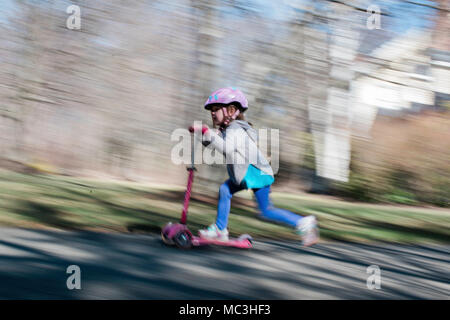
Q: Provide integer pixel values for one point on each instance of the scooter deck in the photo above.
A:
(233, 242)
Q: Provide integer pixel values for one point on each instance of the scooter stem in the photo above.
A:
(187, 195)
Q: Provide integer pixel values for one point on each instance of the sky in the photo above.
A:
(405, 15)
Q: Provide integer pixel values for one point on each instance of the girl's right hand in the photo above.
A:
(203, 129)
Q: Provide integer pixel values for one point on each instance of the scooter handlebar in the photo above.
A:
(203, 129)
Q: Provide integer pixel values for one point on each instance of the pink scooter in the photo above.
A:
(178, 233)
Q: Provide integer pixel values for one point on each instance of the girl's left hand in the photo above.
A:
(204, 128)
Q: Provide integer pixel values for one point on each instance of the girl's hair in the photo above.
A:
(241, 114)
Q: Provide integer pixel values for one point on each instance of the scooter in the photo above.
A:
(178, 233)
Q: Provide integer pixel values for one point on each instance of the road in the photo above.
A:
(33, 265)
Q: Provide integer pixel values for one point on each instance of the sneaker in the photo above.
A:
(308, 230)
(212, 232)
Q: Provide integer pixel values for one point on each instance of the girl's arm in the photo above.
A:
(236, 148)
(214, 139)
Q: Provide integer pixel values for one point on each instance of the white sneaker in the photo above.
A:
(212, 232)
(308, 230)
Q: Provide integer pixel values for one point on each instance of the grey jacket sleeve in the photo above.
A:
(215, 140)
(239, 151)
(237, 147)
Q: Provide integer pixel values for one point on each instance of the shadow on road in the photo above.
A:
(121, 266)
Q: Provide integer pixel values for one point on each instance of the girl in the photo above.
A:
(227, 106)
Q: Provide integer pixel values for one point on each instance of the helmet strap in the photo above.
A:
(228, 117)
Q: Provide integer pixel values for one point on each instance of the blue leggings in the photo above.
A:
(268, 211)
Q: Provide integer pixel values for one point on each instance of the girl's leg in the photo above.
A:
(268, 211)
(226, 191)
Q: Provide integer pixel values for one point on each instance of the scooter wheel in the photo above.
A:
(165, 239)
(246, 237)
(183, 240)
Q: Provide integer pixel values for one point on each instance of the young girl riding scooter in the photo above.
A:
(227, 106)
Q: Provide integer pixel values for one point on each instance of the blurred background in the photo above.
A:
(362, 102)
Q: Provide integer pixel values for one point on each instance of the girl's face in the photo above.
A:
(217, 115)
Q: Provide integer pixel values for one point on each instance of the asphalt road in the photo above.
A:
(33, 265)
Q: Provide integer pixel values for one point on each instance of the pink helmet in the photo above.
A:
(225, 96)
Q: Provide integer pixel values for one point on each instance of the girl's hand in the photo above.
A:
(204, 128)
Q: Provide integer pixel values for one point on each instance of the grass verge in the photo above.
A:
(49, 201)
